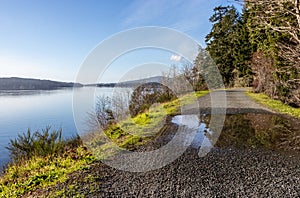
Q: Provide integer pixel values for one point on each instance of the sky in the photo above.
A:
(51, 39)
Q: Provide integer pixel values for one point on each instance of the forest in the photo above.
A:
(258, 47)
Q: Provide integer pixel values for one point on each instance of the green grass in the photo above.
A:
(41, 172)
(274, 104)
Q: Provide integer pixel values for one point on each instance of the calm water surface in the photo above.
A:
(20, 110)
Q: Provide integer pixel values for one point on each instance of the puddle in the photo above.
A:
(268, 131)
(200, 138)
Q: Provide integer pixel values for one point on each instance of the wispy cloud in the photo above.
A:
(190, 17)
(178, 14)
(149, 12)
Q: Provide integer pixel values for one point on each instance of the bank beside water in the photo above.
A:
(37, 109)
(256, 154)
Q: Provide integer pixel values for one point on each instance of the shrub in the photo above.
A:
(148, 94)
(40, 144)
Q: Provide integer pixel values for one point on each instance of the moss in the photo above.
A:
(131, 142)
(142, 119)
(114, 132)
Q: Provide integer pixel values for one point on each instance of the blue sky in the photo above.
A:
(50, 39)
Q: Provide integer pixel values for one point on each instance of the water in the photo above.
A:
(20, 110)
(199, 139)
(246, 131)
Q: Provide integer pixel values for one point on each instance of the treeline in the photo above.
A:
(259, 47)
(33, 84)
(129, 84)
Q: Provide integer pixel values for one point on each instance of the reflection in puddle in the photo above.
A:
(200, 140)
(267, 131)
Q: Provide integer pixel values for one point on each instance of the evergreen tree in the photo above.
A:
(243, 50)
(228, 45)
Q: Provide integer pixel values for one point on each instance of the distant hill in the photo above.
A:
(33, 84)
(131, 83)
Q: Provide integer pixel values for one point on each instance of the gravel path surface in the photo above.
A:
(224, 172)
(221, 173)
(236, 102)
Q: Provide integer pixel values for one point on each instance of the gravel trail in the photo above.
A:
(224, 172)
(236, 102)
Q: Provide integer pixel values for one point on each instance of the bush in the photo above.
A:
(41, 144)
(148, 94)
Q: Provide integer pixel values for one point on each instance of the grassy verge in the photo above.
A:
(274, 104)
(42, 171)
(132, 132)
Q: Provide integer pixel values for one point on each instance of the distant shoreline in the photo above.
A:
(30, 84)
(15, 83)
